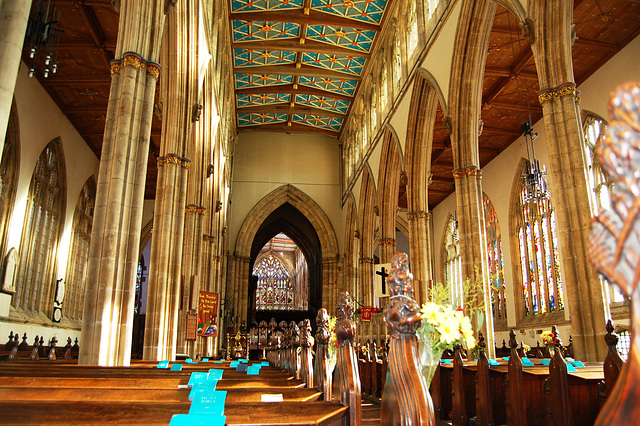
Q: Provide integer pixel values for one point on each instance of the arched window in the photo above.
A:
(8, 175)
(140, 278)
(275, 289)
(373, 106)
(79, 253)
(496, 260)
(453, 262)
(41, 232)
(412, 25)
(537, 248)
(600, 187)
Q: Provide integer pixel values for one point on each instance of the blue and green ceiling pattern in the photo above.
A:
(298, 63)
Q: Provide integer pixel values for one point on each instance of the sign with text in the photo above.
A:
(207, 313)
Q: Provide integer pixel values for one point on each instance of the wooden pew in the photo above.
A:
(347, 367)
(154, 392)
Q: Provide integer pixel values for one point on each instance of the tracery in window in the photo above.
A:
(453, 262)
(495, 260)
(599, 186)
(41, 232)
(282, 276)
(79, 253)
(538, 251)
(275, 289)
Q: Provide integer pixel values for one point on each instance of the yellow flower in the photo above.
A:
(470, 341)
(429, 312)
(449, 329)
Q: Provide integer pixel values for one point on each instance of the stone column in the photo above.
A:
(473, 246)
(113, 253)
(420, 243)
(14, 16)
(169, 287)
(366, 280)
(387, 248)
(551, 40)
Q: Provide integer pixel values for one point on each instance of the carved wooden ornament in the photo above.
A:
(614, 246)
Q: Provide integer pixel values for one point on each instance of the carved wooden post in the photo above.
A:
(347, 365)
(484, 403)
(459, 407)
(612, 362)
(402, 317)
(295, 344)
(559, 383)
(516, 404)
(52, 349)
(306, 343)
(35, 353)
(614, 245)
(323, 334)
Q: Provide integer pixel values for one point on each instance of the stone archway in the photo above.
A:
(238, 283)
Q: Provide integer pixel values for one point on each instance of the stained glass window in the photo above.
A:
(495, 260)
(600, 187)
(137, 306)
(538, 246)
(275, 289)
(453, 262)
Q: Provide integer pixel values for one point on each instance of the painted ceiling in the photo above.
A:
(297, 63)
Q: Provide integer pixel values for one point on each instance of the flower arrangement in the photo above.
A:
(445, 327)
(526, 347)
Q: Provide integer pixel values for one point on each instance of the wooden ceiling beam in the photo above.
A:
(502, 82)
(288, 88)
(288, 109)
(298, 16)
(506, 72)
(293, 70)
(501, 131)
(511, 106)
(86, 44)
(81, 80)
(293, 45)
(283, 128)
(100, 109)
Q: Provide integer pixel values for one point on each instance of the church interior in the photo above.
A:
(270, 155)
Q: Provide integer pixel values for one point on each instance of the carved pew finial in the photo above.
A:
(403, 319)
(514, 384)
(323, 372)
(347, 364)
(614, 244)
(612, 362)
(306, 343)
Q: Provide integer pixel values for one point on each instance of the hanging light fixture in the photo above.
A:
(534, 176)
(43, 34)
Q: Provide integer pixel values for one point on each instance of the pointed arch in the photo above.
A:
(303, 203)
(389, 178)
(367, 220)
(351, 248)
(79, 255)
(495, 259)
(41, 232)
(9, 175)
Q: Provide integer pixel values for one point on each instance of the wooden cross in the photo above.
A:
(383, 273)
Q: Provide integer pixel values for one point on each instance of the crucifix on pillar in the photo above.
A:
(380, 286)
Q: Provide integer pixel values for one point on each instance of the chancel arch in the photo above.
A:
(286, 209)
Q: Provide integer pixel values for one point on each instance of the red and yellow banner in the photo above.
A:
(207, 313)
